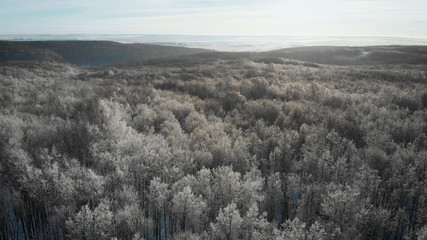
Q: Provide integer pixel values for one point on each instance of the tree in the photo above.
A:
(189, 209)
(228, 224)
(226, 185)
(92, 224)
(340, 205)
(130, 218)
(274, 194)
(293, 193)
(255, 226)
(297, 230)
(159, 196)
(186, 236)
(251, 189)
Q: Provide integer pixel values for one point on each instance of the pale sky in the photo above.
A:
(389, 18)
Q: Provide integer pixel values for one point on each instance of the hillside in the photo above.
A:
(87, 53)
(355, 55)
(102, 53)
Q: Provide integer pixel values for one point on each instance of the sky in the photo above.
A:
(387, 18)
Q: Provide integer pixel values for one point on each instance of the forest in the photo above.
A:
(214, 146)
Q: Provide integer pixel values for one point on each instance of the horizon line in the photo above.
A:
(208, 35)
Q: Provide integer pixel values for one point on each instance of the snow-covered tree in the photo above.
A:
(228, 224)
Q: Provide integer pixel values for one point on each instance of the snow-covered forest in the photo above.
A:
(217, 148)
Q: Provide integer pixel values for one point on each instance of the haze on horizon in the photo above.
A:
(390, 18)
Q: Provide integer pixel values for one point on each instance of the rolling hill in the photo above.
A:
(87, 53)
(102, 53)
(355, 55)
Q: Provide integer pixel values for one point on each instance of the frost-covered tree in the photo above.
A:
(274, 195)
(228, 224)
(298, 230)
(189, 210)
(92, 224)
(256, 226)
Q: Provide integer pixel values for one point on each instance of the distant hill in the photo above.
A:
(88, 53)
(354, 55)
(312, 56)
(102, 53)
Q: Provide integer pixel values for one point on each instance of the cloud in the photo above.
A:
(249, 17)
